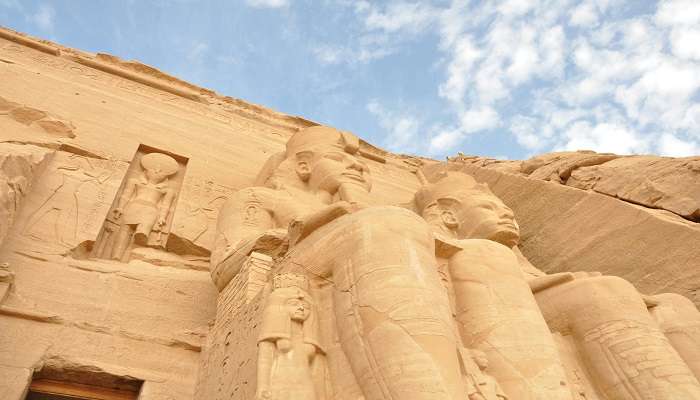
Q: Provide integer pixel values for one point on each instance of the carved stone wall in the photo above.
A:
(70, 125)
(76, 120)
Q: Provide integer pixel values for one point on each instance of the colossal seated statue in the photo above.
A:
(402, 333)
(394, 320)
(493, 304)
(622, 347)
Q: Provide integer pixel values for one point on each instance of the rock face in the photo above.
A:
(671, 184)
(160, 241)
(569, 229)
(74, 129)
(19, 164)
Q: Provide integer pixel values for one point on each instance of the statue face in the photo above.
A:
(484, 216)
(299, 309)
(155, 175)
(333, 167)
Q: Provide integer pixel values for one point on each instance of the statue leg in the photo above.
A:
(393, 316)
(122, 241)
(497, 313)
(623, 348)
(679, 319)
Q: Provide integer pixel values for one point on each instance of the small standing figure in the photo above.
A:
(483, 386)
(144, 206)
(290, 358)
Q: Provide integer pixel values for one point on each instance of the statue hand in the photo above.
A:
(161, 221)
(348, 207)
(263, 395)
(117, 213)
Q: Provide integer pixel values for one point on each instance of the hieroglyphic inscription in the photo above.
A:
(69, 199)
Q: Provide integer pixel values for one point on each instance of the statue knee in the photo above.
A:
(594, 298)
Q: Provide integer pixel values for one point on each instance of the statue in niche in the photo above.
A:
(621, 346)
(144, 205)
(482, 385)
(290, 358)
(393, 315)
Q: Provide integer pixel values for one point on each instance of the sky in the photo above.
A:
(503, 79)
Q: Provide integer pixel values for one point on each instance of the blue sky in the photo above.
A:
(506, 79)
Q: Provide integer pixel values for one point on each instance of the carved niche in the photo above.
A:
(142, 212)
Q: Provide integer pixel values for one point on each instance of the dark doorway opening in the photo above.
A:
(49, 389)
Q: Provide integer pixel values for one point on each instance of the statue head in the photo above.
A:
(289, 302)
(439, 203)
(158, 166)
(459, 206)
(318, 158)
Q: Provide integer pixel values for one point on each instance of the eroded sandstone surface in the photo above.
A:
(161, 241)
(666, 183)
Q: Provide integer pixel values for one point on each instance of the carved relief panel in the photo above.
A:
(69, 199)
(142, 211)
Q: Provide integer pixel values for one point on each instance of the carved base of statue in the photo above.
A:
(623, 348)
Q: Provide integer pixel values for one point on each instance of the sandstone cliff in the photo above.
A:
(70, 126)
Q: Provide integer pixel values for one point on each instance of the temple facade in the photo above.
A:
(159, 241)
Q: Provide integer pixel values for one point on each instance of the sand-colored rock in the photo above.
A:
(19, 165)
(186, 245)
(75, 123)
(558, 167)
(665, 183)
(567, 229)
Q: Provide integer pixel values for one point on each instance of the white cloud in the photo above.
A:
(604, 137)
(268, 3)
(402, 129)
(678, 12)
(525, 131)
(479, 119)
(465, 55)
(412, 17)
(445, 141)
(515, 8)
(43, 17)
(584, 15)
(561, 74)
(685, 43)
(328, 54)
(365, 53)
(670, 145)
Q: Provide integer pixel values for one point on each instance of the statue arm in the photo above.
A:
(165, 204)
(300, 228)
(125, 196)
(266, 353)
(243, 223)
